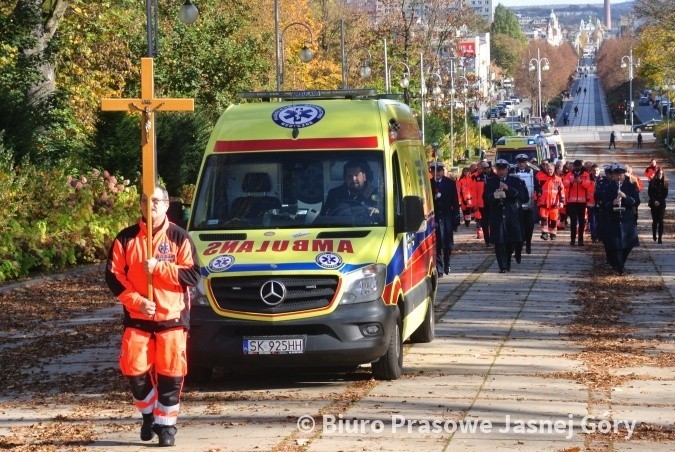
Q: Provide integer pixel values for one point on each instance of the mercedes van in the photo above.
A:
(314, 226)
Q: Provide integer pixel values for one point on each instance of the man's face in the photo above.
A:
(440, 172)
(550, 169)
(502, 171)
(485, 169)
(522, 164)
(355, 179)
(159, 206)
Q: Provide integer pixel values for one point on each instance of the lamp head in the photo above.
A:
(366, 71)
(405, 82)
(306, 54)
(188, 13)
(532, 68)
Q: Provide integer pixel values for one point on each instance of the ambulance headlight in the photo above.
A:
(198, 294)
(364, 284)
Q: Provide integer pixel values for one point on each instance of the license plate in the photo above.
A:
(274, 345)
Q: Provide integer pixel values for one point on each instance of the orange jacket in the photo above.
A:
(478, 189)
(464, 192)
(176, 270)
(590, 192)
(575, 187)
(637, 181)
(552, 192)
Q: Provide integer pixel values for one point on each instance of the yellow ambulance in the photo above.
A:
(313, 222)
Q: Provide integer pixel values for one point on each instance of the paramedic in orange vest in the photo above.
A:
(464, 186)
(551, 200)
(481, 210)
(152, 355)
(576, 198)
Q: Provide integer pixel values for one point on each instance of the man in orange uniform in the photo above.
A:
(551, 200)
(576, 198)
(481, 211)
(152, 355)
(464, 186)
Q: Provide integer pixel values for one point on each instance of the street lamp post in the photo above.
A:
(188, 14)
(627, 62)
(305, 53)
(668, 88)
(364, 72)
(536, 63)
(405, 81)
(465, 91)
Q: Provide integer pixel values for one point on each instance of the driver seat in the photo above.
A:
(257, 202)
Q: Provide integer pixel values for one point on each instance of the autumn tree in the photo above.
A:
(562, 64)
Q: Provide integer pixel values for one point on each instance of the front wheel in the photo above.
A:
(425, 333)
(390, 365)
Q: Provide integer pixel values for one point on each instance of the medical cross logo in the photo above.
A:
(329, 260)
(221, 263)
(297, 116)
(164, 248)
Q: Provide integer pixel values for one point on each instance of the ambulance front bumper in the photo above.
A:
(352, 334)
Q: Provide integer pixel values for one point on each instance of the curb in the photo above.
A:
(55, 277)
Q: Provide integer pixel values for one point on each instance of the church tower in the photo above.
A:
(608, 15)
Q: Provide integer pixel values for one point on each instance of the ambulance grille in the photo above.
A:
(242, 294)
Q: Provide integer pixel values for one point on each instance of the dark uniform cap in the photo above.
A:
(619, 168)
(501, 163)
(522, 157)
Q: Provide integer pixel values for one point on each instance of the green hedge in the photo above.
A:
(51, 220)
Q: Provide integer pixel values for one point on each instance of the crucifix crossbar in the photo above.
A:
(148, 105)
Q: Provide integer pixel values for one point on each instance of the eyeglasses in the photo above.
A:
(155, 201)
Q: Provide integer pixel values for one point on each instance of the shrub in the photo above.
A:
(52, 220)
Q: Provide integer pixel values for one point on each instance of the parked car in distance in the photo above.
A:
(516, 100)
(493, 112)
(648, 125)
(533, 129)
(644, 100)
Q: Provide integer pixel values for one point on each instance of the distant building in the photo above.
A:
(483, 8)
(554, 35)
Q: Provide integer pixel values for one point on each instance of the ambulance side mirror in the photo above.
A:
(413, 215)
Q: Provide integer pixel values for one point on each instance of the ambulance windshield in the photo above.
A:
(290, 189)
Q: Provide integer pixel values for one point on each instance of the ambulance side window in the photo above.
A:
(398, 189)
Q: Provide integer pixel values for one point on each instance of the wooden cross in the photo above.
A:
(147, 104)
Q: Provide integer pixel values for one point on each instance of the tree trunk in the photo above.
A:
(43, 17)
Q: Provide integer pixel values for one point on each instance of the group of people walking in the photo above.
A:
(507, 203)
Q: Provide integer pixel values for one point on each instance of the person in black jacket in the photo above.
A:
(619, 200)
(658, 192)
(446, 213)
(505, 195)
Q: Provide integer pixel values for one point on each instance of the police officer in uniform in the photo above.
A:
(505, 194)
(620, 199)
(529, 213)
(446, 213)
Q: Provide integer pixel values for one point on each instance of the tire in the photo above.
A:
(390, 365)
(426, 332)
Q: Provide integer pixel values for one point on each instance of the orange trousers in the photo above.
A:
(155, 365)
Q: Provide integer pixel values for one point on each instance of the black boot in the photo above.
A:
(166, 434)
(146, 428)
